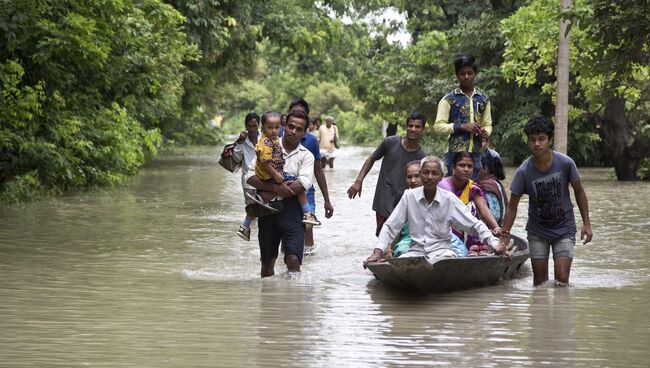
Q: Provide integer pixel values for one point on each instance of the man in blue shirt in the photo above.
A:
(310, 142)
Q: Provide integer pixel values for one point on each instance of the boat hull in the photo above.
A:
(416, 274)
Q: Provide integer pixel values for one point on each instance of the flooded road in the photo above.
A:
(153, 275)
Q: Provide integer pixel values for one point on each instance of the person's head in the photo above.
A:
(415, 123)
(329, 121)
(539, 130)
(391, 129)
(317, 122)
(412, 174)
(492, 166)
(299, 104)
(463, 165)
(283, 119)
(271, 124)
(312, 125)
(252, 122)
(431, 171)
(297, 125)
(485, 143)
(466, 68)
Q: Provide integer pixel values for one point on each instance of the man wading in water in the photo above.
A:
(545, 176)
(286, 226)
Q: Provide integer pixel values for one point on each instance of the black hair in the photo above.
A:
(411, 163)
(417, 116)
(301, 115)
(250, 116)
(391, 130)
(300, 102)
(540, 124)
(461, 155)
(493, 165)
(465, 60)
(267, 115)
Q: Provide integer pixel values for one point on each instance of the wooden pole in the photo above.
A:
(562, 103)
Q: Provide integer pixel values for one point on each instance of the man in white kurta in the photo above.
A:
(431, 213)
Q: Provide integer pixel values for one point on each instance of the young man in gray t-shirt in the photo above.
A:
(396, 152)
(545, 176)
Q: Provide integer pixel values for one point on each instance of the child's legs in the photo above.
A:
(302, 199)
(248, 219)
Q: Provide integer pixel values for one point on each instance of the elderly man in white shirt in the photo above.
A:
(287, 226)
(431, 212)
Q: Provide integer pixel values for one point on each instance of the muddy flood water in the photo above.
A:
(153, 275)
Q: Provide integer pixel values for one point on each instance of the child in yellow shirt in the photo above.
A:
(269, 165)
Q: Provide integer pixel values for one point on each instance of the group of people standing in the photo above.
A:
(433, 207)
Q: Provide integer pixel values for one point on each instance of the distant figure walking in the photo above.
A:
(328, 136)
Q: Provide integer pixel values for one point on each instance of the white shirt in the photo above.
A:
(248, 150)
(430, 223)
(298, 163)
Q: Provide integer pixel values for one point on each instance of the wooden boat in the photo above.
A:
(416, 274)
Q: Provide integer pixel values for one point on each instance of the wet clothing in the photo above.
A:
(390, 182)
(550, 211)
(285, 227)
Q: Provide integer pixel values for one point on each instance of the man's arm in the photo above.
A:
(583, 205)
(389, 231)
(281, 189)
(442, 126)
(486, 120)
(356, 187)
(322, 184)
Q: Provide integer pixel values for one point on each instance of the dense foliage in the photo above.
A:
(90, 89)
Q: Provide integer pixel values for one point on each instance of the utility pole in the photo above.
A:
(562, 98)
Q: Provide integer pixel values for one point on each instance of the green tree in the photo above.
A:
(610, 72)
(85, 85)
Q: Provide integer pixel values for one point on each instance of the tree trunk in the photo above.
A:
(618, 139)
(562, 103)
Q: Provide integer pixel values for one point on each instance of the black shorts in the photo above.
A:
(287, 227)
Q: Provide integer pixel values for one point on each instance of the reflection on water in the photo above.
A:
(154, 275)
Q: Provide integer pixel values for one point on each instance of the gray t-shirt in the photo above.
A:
(391, 182)
(550, 211)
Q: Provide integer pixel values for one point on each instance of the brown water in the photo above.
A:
(153, 275)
